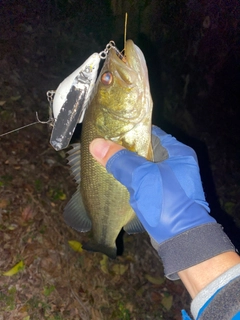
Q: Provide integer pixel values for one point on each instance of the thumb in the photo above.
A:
(102, 150)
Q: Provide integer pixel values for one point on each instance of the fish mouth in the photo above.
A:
(131, 66)
(131, 71)
(135, 59)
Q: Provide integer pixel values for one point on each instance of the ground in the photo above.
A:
(52, 280)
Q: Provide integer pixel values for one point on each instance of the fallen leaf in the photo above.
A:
(2, 103)
(229, 207)
(75, 245)
(140, 291)
(14, 270)
(15, 98)
(153, 280)
(24, 309)
(104, 264)
(62, 196)
(167, 302)
(119, 269)
(12, 226)
(28, 213)
(3, 203)
(96, 314)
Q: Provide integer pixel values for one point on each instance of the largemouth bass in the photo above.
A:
(121, 110)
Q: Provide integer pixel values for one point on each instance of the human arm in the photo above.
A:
(191, 244)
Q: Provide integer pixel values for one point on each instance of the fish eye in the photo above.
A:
(107, 78)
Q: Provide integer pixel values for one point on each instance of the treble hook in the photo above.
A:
(49, 121)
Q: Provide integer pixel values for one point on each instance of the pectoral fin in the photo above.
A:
(159, 152)
(134, 226)
(75, 214)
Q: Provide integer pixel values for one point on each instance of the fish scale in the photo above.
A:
(100, 192)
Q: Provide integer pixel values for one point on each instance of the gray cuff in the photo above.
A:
(192, 247)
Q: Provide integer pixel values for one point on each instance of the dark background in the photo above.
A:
(192, 49)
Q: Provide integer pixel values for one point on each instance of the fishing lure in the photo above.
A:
(69, 102)
(71, 98)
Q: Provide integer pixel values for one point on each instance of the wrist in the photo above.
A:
(196, 278)
(192, 247)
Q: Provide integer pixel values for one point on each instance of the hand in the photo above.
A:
(167, 196)
(168, 199)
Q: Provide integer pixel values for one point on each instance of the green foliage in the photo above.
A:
(9, 298)
(38, 185)
(43, 229)
(57, 194)
(48, 290)
(5, 180)
(56, 317)
(123, 312)
(35, 303)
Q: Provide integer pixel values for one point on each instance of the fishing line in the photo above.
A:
(125, 32)
(50, 121)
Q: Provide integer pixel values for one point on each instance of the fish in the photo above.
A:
(120, 110)
(71, 99)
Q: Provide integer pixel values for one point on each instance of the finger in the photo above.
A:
(102, 150)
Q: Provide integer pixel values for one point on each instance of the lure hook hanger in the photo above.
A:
(111, 45)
